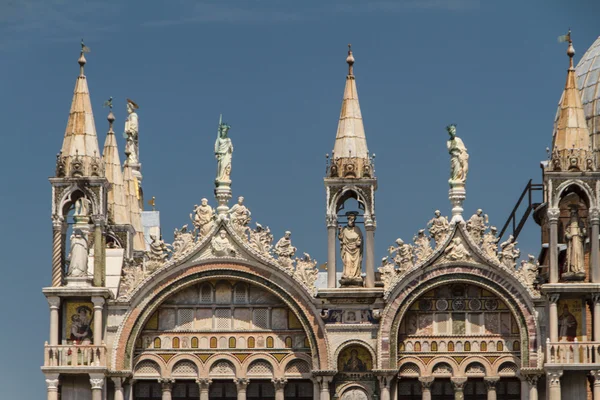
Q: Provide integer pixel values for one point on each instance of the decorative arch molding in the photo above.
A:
(344, 387)
(156, 291)
(413, 360)
(354, 342)
(502, 360)
(65, 198)
(585, 188)
(162, 367)
(418, 283)
(262, 357)
(464, 365)
(443, 360)
(215, 358)
(344, 194)
(292, 358)
(172, 363)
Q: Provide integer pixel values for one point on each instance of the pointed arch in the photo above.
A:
(584, 189)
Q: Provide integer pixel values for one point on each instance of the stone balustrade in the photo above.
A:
(74, 355)
(572, 352)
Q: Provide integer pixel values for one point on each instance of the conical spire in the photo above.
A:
(117, 203)
(132, 195)
(350, 140)
(570, 129)
(80, 155)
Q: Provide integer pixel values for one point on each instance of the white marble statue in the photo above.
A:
(509, 253)
(459, 158)
(575, 234)
(422, 246)
(306, 271)
(404, 255)
(82, 207)
(182, 242)
(285, 251)
(261, 239)
(456, 251)
(223, 153)
(476, 226)
(490, 243)
(438, 227)
(240, 216)
(387, 271)
(131, 132)
(203, 218)
(221, 246)
(529, 270)
(158, 253)
(78, 256)
(351, 249)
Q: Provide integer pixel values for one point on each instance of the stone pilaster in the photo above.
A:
(426, 384)
(97, 383)
(490, 384)
(553, 215)
(166, 385)
(331, 250)
(553, 317)
(52, 383)
(204, 386)
(54, 303)
(279, 385)
(99, 251)
(241, 385)
(459, 386)
(118, 383)
(370, 254)
(595, 246)
(98, 319)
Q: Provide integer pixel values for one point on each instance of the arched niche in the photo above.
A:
(354, 358)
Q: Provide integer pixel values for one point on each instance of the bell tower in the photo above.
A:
(350, 175)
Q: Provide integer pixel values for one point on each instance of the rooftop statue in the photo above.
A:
(131, 132)
(476, 226)
(490, 243)
(351, 251)
(438, 227)
(285, 251)
(459, 158)
(509, 252)
(221, 246)
(158, 253)
(240, 216)
(223, 153)
(203, 218)
(404, 255)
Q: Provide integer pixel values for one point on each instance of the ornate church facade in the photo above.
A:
(227, 312)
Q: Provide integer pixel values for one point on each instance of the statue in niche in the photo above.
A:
(456, 251)
(82, 210)
(158, 253)
(203, 218)
(351, 251)
(422, 246)
(221, 246)
(78, 255)
(183, 241)
(261, 239)
(490, 243)
(306, 271)
(285, 251)
(509, 252)
(438, 227)
(575, 234)
(459, 158)
(131, 132)
(404, 255)
(223, 153)
(240, 216)
(476, 225)
(529, 270)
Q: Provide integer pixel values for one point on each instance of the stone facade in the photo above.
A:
(227, 312)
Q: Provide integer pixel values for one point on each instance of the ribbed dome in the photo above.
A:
(588, 82)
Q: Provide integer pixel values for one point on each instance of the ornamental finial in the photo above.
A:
(350, 60)
(82, 60)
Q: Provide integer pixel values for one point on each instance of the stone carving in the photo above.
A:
(509, 252)
(438, 227)
(131, 133)
(456, 251)
(459, 158)
(351, 251)
(285, 251)
(575, 234)
(261, 239)
(82, 210)
(133, 275)
(490, 243)
(529, 271)
(78, 256)
(388, 272)
(223, 153)
(404, 255)
(476, 226)
(203, 218)
(355, 394)
(182, 242)
(158, 253)
(306, 271)
(221, 246)
(422, 246)
(240, 217)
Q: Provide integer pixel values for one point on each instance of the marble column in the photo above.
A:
(370, 254)
(98, 321)
(166, 385)
(331, 251)
(553, 317)
(52, 382)
(279, 385)
(97, 383)
(316, 389)
(459, 385)
(426, 383)
(490, 384)
(595, 246)
(553, 378)
(595, 384)
(532, 381)
(99, 251)
(119, 393)
(553, 215)
(54, 303)
(325, 380)
(204, 386)
(57, 250)
(596, 316)
(384, 386)
(242, 385)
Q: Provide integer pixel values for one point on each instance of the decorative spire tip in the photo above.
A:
(350, 60)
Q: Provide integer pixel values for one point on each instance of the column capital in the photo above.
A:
(98, 301)
(204, 383)
(241, 383)
(532, 379)
(118, 381)
(553, 298)
(53, 302)
(98, 220)
(595, 374)
(279, 383)
(554, 377)
(553, 214)
(426, 382)
(594, 215)
(595, 298)
(52, 382)
(490, 382)
(331, 221)
(57, 222)
(458, 383)
(97, 383)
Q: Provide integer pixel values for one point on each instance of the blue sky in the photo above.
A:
(276, 70)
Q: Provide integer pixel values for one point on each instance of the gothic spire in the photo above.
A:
(117, 204)
(80, 154)
(570, 129)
